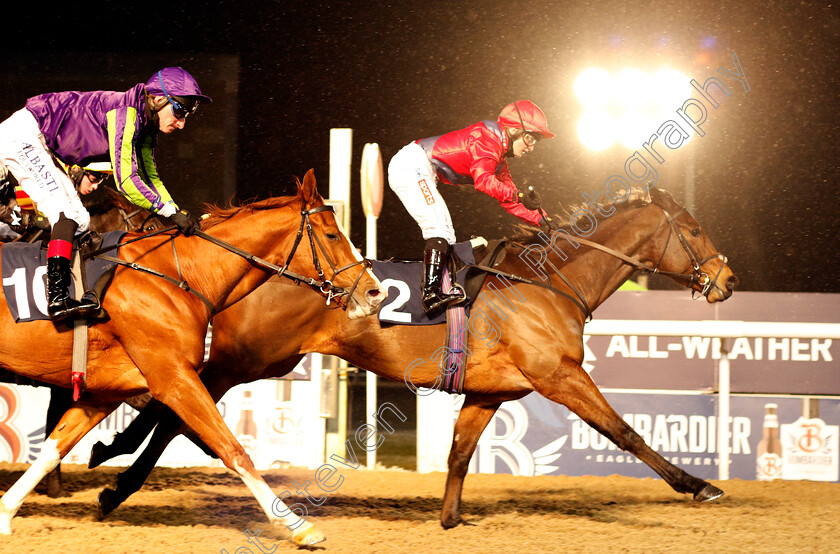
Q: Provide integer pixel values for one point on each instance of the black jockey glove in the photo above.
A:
(185, 222)
(530, 199)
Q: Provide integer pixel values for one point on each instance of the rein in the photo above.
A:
(322, 285)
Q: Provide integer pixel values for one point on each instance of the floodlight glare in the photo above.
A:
(633, 88)
(633, 128)
(596, 129)
(669, 88)
(594, 87)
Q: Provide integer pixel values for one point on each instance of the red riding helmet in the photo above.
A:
(524, 114)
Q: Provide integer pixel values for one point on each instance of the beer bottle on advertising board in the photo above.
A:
(246, 429)
(769, 453)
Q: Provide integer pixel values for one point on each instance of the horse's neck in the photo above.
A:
(596, 274)
(630, 233)
(234, 277)
(219, 275)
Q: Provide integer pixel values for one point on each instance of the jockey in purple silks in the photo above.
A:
(66, 129)
(476, 156)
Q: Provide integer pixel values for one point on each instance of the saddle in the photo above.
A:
(405, 308)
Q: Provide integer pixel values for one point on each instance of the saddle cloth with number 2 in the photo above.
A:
(404, 283)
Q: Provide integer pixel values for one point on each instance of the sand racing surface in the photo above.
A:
(395, 511)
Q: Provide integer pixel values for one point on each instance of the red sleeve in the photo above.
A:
(486, 152)
(486, 157)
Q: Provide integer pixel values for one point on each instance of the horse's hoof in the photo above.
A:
(307, 534)
(97, 455)
(57, 492)
(708, 493)
(449, 523)
(105, 503)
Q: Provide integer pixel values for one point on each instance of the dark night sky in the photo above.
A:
(767, 171)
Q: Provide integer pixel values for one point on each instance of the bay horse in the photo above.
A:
(109, 211)
(540, 345)
(154, 340)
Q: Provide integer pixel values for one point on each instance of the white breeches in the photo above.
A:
(25, 153)
(412, 177)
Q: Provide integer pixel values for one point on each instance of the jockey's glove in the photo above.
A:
(186, 223)
(530, 199)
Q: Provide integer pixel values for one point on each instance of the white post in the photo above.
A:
(723, 411)
(371, 188)
(341, 154)
(341, 149)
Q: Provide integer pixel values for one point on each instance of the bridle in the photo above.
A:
(697, 277)
(322, 284)
(128, 216)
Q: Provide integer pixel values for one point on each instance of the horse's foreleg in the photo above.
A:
(186, 395)
(76, 422)
(571, 386)
(169, 426)
(472, 420)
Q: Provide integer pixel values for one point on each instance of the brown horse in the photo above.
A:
(540, 346)
(109, 211)
(154, 340)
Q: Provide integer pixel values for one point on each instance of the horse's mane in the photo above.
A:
(215, 214)
(528, 234)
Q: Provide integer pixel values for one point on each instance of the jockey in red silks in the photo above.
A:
(475, 156)
(66, 129)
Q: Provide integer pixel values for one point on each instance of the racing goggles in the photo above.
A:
(181, 107)
(531, 138)
(95, 177)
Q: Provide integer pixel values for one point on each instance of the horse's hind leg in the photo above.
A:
(184, 392)
(472, 420)
(130, 439)
(79, 419)
(130, 480)
(60, 401)
(571, 386)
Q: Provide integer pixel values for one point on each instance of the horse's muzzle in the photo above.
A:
(373, 299)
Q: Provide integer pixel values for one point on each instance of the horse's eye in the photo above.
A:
(332, 237)
(696, 232)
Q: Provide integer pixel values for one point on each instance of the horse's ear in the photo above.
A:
(308, 189)
(662, 198)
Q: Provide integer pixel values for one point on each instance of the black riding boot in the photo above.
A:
(60, 304)
(434, 260)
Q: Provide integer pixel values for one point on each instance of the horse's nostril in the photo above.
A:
(732, 282)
